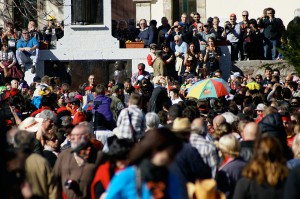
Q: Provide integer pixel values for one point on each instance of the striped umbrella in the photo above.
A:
(208, 88)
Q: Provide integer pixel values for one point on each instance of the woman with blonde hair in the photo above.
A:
(265, 175)
(231, 165)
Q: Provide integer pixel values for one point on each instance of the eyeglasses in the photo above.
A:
(232, 19)
(269, 13)
(244, 15)
(176, 40)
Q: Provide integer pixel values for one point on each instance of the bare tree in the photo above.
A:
(21, 11)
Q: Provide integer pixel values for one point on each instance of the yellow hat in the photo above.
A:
(51, 18)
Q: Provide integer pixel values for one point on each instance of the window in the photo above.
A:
(180, 6)
(86, 12)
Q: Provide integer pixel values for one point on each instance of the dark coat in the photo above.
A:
(272, 124)
(189, 166)
(250, 189)
(246, 150)
(228, 176)
(158, 98)
(292, 185)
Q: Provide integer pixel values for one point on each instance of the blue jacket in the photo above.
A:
(30, 43)
(102, 105)
(123, 186)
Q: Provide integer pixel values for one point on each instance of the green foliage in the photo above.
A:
(291, 44)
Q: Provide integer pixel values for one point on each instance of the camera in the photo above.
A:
(228, 26)
(71, 184)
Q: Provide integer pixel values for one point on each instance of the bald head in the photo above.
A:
(250, 131)
(218, 120)
(199, 126)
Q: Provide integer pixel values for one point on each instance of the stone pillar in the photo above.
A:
(143, 10)
(167, 7)
(201, 8)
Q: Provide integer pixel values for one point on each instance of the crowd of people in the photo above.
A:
(250, 39)
(143, 137)
(19, 48)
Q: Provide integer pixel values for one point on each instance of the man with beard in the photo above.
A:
(75, 166)
(128, 89)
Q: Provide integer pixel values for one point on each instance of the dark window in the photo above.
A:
(85, 12)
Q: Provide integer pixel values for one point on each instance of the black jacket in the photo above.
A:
(246, 150)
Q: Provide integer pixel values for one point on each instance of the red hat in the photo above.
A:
(78, 117)
(285, 118)
(61, 109)
(10, 93)
(233, 15)
(136, 86)
(88, 88)
(79, 97)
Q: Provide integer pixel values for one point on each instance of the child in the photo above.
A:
(151, 57)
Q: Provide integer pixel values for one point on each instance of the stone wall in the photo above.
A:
(254, 67)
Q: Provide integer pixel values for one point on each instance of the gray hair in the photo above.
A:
(152, 120)
(178, 37)
(47, 115)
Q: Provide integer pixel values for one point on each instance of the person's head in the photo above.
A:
(143, 23)
(258, 78)
(141, 68)
(229, 146)
(270, 12)
(153, 23)
(49, 118)
(206, 27)
(211, 41)
(276, 72)
(14, 83)
(80, 135)
(174, 112)
(250, 131)
(268, 164)
(152, 120)
(134, 99)
(268, 72)
(232, 18)
(218, 120)
(100, 89)
(174, 93)
(288, 79)
(182, 128)
(159, 145)
(184, 18)
(218, 73)
(177, 39)
(4, 47)
(31, 25)
(245, 15)
(216, 21)
(199, 27)
(25, 34)
(122, 24)
(165, 48)
(199, 126)
(9, 26)
(164, 21)
(127, 84)
(24, 141)
(196, 17)
(91, 80)
(295, 102)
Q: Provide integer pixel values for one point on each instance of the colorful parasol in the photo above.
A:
(208, 88)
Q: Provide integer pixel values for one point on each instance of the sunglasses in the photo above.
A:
(244, 15)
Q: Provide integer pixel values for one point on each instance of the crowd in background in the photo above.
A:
(142, 137)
